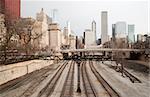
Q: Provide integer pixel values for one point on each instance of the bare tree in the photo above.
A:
(5, 45)
(23, 29)
(120, 56)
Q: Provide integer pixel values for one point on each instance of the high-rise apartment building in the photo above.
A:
(104, 27)
(11, 9)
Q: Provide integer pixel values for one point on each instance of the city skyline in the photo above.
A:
(131, 11)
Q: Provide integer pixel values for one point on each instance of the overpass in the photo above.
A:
(101, 53)
(103, 49)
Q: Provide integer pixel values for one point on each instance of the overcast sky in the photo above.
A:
(81, 13)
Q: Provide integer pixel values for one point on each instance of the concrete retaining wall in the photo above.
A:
(12, 71)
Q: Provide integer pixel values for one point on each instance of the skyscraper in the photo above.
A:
(104, 27)
(11, 9)
(69, 29)
(113, 35)
(55, 37)
(131, 34)
(94, 29)
(44, 20)
(120, 29)
(89, 38)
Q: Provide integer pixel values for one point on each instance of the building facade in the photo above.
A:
(55, 36)
(89, 38)
(69, 28)
(104, 27)
(44, 21)
(11, 9)
(131, 33)
(120, 29)
(141, 38)
(72, 41)
(94, 29)
(65, 36)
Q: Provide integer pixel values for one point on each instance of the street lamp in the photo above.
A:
(49, 36)
(78, 61)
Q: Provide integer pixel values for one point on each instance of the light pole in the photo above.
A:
(78, 61)
(49, 36)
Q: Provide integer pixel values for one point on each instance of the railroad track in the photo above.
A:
(15, 83)
(23, 80)
(89, 90)
(132, 78)
(29, 91)
(103, 82)
(49, 88)
(35, 78)
(68, 85)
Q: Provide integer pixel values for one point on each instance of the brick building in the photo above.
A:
(11, 9)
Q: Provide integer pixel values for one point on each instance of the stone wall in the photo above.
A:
(12, 71)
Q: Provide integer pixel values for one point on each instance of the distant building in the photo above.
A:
(43, 17)
(113, 31)
(55, 37)
(66, 34)
(69, 28)
(72, 41)
(120, 29)
(131, 38)
(147, 42)
(94, 29)
(44, 21)
(79, 42)
(139, 37)
(119, 38)
(89, 38)
(54, 15)
(99, 41)
(11, 9)
(104, 27)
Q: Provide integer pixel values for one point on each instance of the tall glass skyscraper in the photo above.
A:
(120, 29)
(131, 38)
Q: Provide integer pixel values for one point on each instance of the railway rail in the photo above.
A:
(23, 80)
(88, 87)
(34, 78)
(68, 85)
(49, 88)
(29, 91)
(103, 82)
(132, 78)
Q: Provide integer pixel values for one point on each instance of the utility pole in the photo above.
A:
(78, 61)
